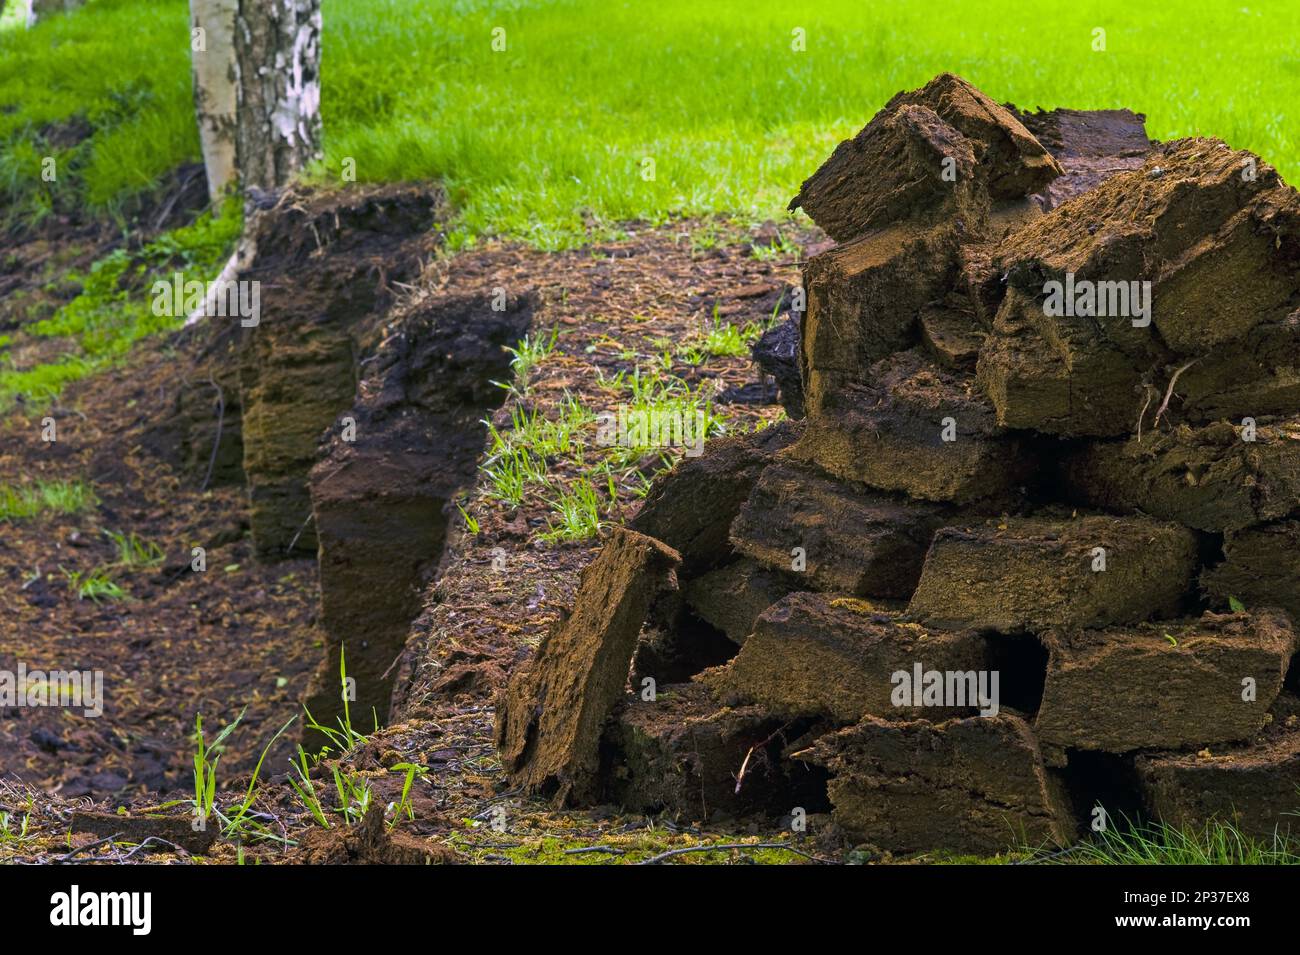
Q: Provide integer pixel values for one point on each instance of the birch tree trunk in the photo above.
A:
(277, 49)
(212, 44)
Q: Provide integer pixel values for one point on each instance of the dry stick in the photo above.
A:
(90, 845)
(654, 860)
(740, 777)
(151, 840)
(216, 443)
(1146, 404)
(1169, 392)
(289, 549)
(610, 849)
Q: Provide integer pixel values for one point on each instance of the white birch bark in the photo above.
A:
(212, 45)
(277, 48)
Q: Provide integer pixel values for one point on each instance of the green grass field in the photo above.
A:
(547, 138)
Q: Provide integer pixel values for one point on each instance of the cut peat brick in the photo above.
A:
(692, 506)
(1163, 686)
(776, 353)
(952, 337)
(682, 753)
(1250, 787)
(380, 501)
(1258, 375)
(731, 598)
(1208, 478)
(1064, 376)
(1029, 574)
(1261, 569)
(550, 718)
(1191, 225)
(337, 258)
(854, 540)
(892, 170)
(816, 655)
(893, 434)
(972, 785)
(894, 167)
(863, 301)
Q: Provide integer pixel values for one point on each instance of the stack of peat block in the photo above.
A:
(1093, 513)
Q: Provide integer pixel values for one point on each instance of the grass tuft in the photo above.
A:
(21, 501)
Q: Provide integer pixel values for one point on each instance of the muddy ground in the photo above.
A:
(244, 636)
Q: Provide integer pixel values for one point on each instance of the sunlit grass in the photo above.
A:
(548, 138)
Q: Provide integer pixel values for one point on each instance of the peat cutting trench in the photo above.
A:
(1012, 550)
(338, 426)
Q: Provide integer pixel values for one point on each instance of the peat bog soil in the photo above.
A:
(244, 636)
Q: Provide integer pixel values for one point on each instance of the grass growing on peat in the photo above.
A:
(548, 137)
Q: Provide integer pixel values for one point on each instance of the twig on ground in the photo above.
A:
(654, 860)
(581, 849)
(107, 840)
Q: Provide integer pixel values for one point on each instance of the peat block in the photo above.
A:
(1208, 478)
(684, 754)
(1218, 246)
(854, 540)
(731, 597)
(1261, 569)
(777, 353)
(550, 717)
(863, 301)
(380, 501)
(1028, 574)
(822, 656)
(1259, 375)
(1163, 686)
(919, 430)
(1253, 787)
(1221, 251)
(894, 168)
(952, 337)
(970, 785)
(691, 508)
(1066, 376)
(334, 258)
